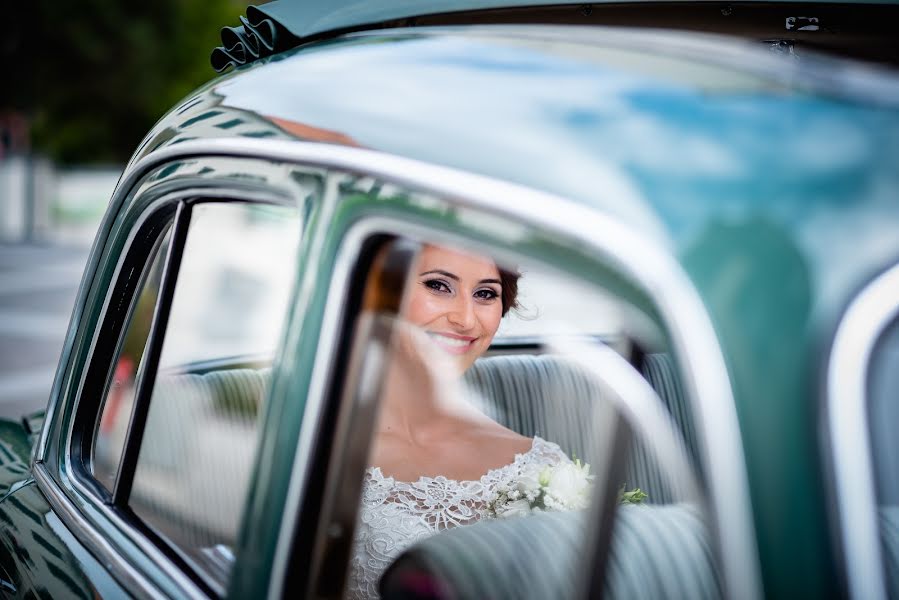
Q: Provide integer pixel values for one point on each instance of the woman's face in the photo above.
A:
(455, 299)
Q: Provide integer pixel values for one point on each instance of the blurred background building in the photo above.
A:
(83, 81)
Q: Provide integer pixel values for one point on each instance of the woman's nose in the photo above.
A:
(462, 313)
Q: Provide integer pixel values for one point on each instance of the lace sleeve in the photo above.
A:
(547, 453)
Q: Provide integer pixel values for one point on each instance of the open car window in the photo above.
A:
(454, 468)
(178, 431)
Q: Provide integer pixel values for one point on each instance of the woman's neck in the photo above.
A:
(417, 406)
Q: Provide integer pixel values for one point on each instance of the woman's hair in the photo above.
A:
(509, 296)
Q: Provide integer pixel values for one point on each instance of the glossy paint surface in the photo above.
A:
(775, 191)
(38, 554)
(314, 17)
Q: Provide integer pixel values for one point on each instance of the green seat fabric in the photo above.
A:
(180, 402)
(660, 372)
(197, 452)
(538, 396)
(658, 552)
(547, 396)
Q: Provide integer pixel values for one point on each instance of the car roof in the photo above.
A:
(313, 17)
(665, 131)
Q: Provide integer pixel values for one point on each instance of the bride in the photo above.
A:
(436, 461)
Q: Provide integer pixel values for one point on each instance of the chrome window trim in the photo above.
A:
(121, 192)
(693, 337)
(847, 432)
(107, 553)
(86, 530)
(633, 398)
(214, 193)
(126, 575)
(652, 423)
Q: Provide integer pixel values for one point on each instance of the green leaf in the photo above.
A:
(635, 496)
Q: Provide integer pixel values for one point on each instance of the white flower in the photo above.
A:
(528, 484)
(564, 486)
(569, 485)
(517, 508)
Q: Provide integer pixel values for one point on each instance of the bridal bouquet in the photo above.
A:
(565, 486)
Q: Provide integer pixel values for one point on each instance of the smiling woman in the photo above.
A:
(459, 299)
(429, 445)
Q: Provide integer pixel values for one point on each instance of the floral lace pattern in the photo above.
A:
(396, 514)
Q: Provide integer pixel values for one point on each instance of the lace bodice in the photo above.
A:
(396, 514)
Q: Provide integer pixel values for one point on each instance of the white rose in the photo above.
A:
(529, 483)
(569, 484)
(516, 509)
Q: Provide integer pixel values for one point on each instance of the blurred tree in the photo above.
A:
(93, 76)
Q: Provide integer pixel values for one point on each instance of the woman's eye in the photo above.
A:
(486, 294)
(437, 285)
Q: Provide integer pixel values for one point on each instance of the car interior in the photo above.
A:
(205, 413)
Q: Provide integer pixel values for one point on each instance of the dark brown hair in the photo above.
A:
(509, 295)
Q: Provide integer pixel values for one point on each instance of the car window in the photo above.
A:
(549, 301)
(541, 434)
(225, 320)
(461, 468)
(533, 435)
(112, 425)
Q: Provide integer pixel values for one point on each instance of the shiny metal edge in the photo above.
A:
(82, 526)
(126, 575)
(693, 337)
(63, 371)
(847, 428)
(315, 399)
(633, 397)
(185, 584)
(166, 198)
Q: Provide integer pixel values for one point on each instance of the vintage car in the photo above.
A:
(708, 232)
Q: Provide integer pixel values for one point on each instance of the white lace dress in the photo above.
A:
(396, 514)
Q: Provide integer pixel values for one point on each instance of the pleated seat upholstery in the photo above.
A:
(658, 550)
(179, 402)
(658, 553)
(191, 479)
(547, 396)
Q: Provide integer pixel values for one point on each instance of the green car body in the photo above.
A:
(771, 184)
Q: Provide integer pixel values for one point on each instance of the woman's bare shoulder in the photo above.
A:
(495, 435)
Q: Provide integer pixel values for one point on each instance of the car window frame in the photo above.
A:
(83, 504)
(612, 242)
(326, 520)
(683, 313)
(846, 436)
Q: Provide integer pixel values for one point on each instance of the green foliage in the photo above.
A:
(93, 76)
(635, 496)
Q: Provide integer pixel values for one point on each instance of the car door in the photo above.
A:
(150, 439)
(381, 207)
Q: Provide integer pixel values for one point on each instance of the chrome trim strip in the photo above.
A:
(693, 338)
(847, 425)
(83, 527)
(631, 395)
(128, 577)
(633, 398)
(185, 584)
(225, 194)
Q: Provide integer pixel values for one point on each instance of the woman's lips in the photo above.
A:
(454, 344)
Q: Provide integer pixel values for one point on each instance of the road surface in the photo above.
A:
(38, 284)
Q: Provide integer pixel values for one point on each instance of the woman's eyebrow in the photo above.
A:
(490, 281)
(440, 272)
